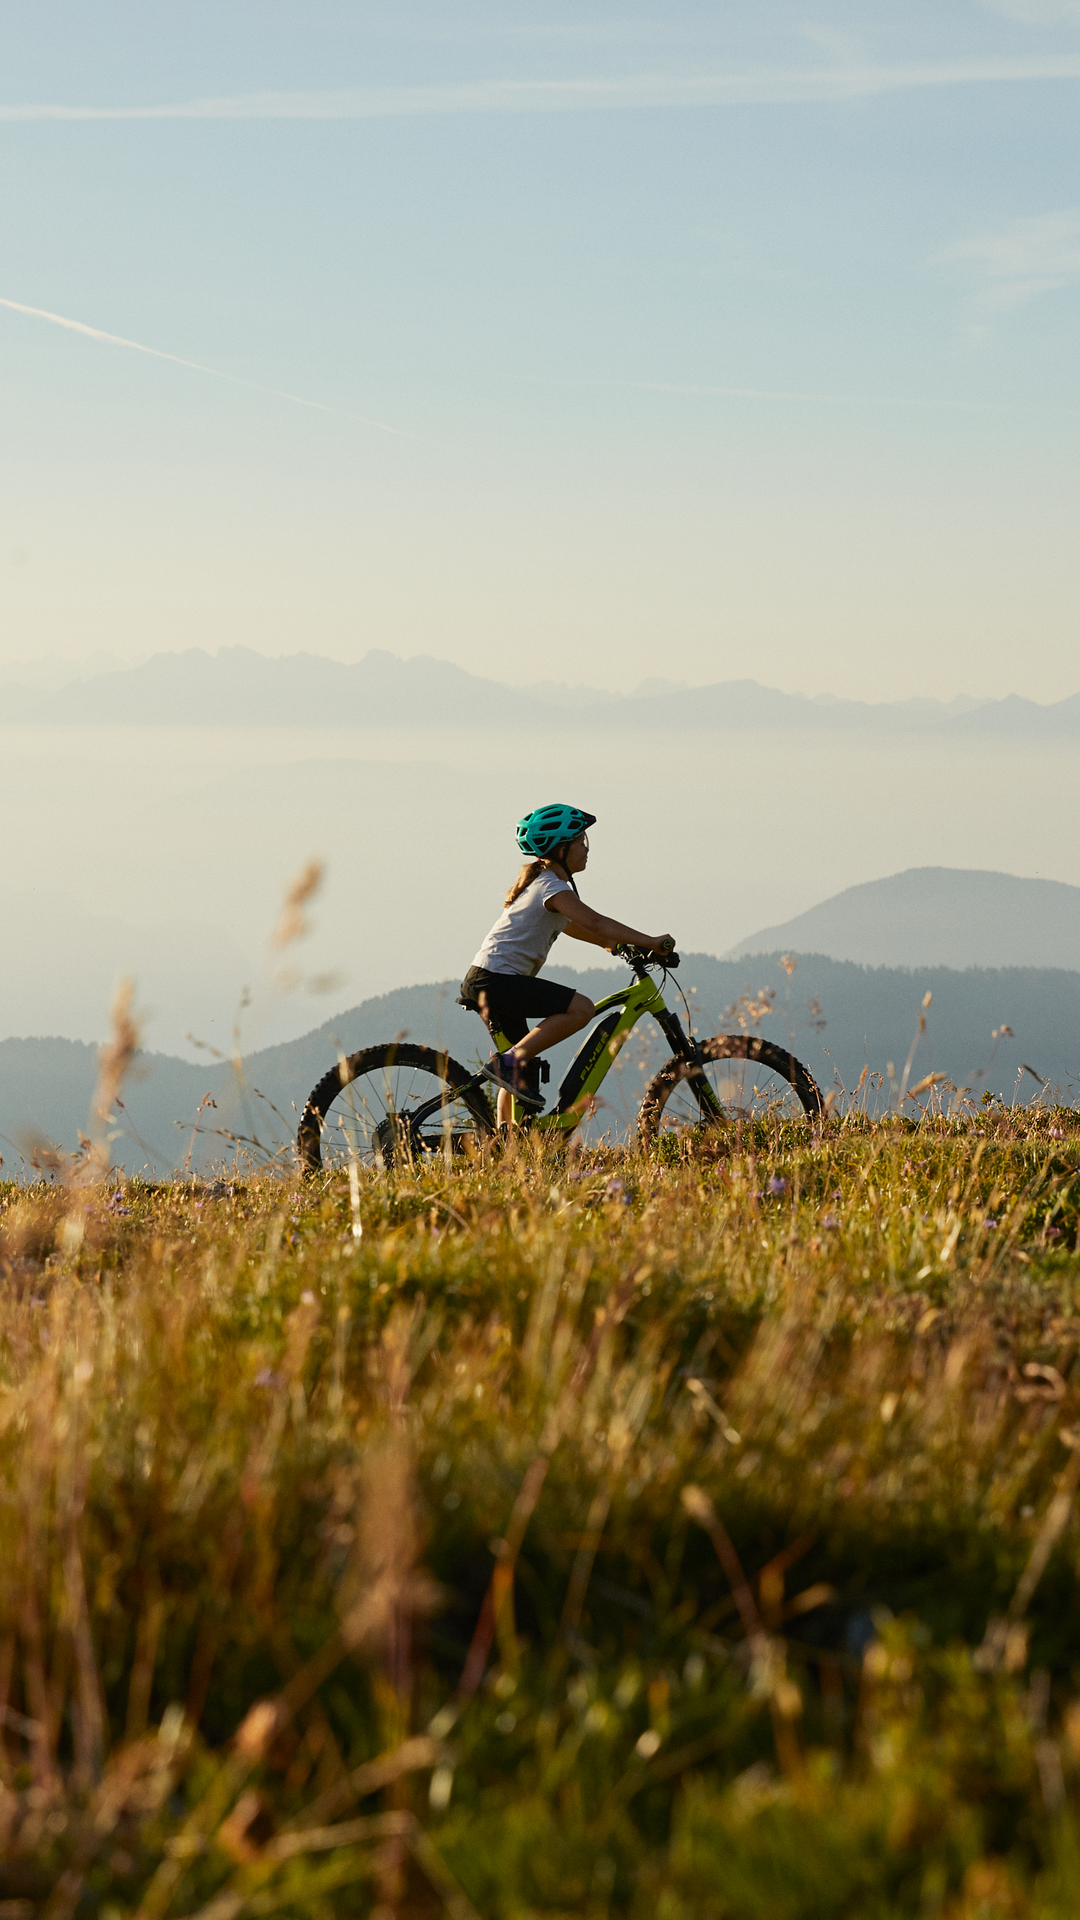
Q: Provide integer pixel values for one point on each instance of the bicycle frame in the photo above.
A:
(601, 1048)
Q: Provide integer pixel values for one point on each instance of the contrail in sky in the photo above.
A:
(766, 87)
(196, 366)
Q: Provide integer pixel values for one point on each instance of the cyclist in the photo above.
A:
(501, 984)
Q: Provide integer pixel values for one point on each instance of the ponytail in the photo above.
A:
(525, 878)
(532, 871)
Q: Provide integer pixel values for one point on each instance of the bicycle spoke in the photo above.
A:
(397, 1102)
(743, 1090)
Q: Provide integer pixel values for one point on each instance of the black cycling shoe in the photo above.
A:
(507, 1073)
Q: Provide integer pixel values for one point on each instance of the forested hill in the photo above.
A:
(836, 1015)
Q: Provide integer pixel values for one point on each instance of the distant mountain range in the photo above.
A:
(870, 1018)
(25, 683)
(936, 915)
(238, 687)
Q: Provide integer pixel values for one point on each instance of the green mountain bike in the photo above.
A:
(397, 1102)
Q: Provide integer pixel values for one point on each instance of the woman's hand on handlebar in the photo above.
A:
(662, 943)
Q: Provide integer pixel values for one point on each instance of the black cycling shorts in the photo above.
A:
(513, 999)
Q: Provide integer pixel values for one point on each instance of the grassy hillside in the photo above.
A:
(583, 1535)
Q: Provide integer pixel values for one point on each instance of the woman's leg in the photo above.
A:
(557, 1026)
(514, 1027)
(524, 1046)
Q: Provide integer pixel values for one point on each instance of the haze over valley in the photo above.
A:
(148, 833)
(163, 849)
(183, 836)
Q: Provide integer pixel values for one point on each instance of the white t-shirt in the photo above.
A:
(525, 933)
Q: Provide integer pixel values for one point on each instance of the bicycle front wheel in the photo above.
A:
(772, 1081)
(365, 1109)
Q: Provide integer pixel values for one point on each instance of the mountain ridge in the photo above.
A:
(928, 916)
(238, 686)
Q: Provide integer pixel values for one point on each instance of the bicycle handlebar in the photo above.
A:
(645, 957)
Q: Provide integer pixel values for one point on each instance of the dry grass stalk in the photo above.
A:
(115, 1059)
(293, 924)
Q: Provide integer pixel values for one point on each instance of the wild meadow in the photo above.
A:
(684, 1535)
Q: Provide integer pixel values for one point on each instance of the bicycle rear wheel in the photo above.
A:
(363, 1109)
(773, 1081)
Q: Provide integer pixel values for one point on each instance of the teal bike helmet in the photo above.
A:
(546, 828)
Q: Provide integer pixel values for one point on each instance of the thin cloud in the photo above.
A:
(803, 85)
(196, 366)
(1022, 260)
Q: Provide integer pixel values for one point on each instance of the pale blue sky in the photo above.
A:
(718, 340)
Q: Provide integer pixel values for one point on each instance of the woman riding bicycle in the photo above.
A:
(501, 984)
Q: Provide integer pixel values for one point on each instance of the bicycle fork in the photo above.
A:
(685, 1048)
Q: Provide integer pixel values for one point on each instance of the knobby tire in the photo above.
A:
(727, 1046)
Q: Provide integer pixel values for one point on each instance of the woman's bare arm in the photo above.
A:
(599, 930)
